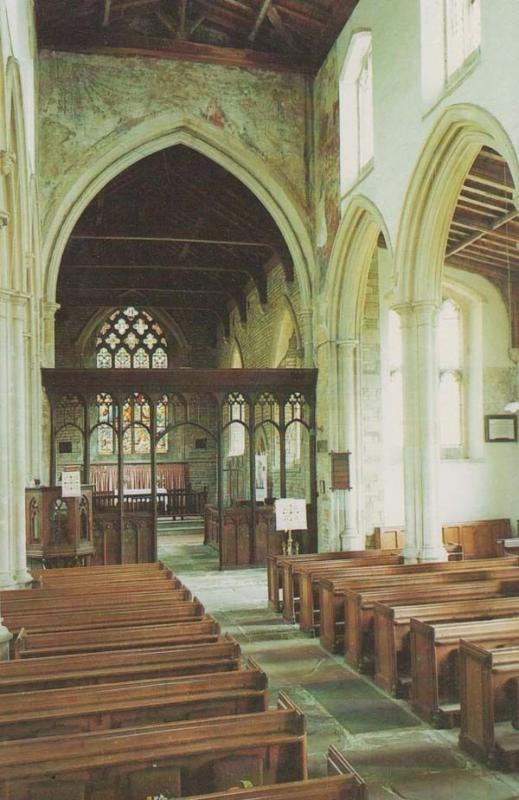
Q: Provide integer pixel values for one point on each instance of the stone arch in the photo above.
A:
(18, 187)
(433, 191)
(349, 266)
(288, 327)
(89, 330)
(236, 355)
(122, 149)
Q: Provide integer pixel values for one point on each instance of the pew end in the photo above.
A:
(338, 764)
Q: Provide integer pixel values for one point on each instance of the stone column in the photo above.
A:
(421, 434)
(5, 555)
(306, 317)
(347, 354)
(17, 428)
(47, 345)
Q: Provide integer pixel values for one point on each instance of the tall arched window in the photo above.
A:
(356, 109)
(131, 339)
(450, 359)
(451, 36)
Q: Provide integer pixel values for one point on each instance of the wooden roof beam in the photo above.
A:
(259, 20)
(106, 13)
(474, 238)
(174, 240)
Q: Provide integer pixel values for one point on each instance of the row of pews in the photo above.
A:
(121, 687)
(444, 635)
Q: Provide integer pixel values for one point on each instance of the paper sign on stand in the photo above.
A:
(71, 483)
(290, 516)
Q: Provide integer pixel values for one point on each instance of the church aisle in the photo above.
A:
(398, 755)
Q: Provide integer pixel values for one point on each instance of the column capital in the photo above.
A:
(513, 352)
(306, 313)
(50, 309)
(7, 161)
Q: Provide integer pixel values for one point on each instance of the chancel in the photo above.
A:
(259, 257)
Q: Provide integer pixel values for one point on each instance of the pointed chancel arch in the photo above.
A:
(122, 149)
(288, 336)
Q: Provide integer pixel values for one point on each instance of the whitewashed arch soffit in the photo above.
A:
(122, 149)
(350, 261)
(85, 342)
(431, 198)
(236, 356)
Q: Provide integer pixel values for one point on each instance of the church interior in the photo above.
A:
(259, 398)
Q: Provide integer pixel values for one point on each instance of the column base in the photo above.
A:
(410, 554)
(5, 641)
(23, 578)
(6, 581)
(433, 553)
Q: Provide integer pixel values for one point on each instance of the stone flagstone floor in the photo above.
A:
(399, 756)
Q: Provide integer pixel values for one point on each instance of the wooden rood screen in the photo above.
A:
(237, 438)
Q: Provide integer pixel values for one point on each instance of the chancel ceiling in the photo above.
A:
(174, 231)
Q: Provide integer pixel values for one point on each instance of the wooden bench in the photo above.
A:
(117, 617)
(293, 574)
(392, 627)
(35, 601)
(434, 662)
(116, 705)
(175, 759)
(36, 645)
(359, 645)
(488, 691)
(342, 783)
(54, 672)
(276, 564)
(332, 587)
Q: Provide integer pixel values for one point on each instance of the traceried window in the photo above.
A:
(136, 425)
(450, 358)
(237, 406)
(395, 398)
(451, 34)
(356, 109)
(131, 339)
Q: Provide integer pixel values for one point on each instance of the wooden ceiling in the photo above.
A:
(484, 232)
(174, 231)
(293, 35)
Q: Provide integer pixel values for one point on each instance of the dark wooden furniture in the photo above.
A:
(59, 530)
(435, 661)
(488, 689)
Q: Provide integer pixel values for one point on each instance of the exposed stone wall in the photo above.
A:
(258, 337)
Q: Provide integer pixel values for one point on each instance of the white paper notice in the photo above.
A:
(290, 514)
(71, 484)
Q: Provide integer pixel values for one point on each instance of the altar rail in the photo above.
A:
(178, 503)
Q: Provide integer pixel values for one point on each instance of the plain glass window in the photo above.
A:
(356, 109)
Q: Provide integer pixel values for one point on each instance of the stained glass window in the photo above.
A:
(162, 424)
(131, 339)
(106, 420)
(136, 425)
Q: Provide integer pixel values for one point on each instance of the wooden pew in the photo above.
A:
(342, 783)
(117, 617)
(54, 672)
(392, 627)
(64, 602)
(175, 759)
(358, 635)
(276, 563)
(151, 566)
(434, 662)
(332, 587)
(292, 574)
(139, 579)
(115, 705)
(488, 691)
(36, 645)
